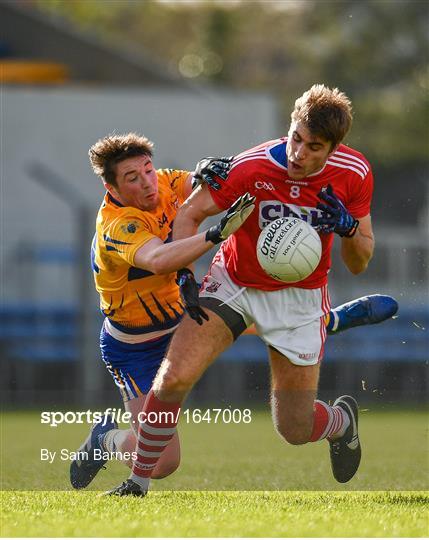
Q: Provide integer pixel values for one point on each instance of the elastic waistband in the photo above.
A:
(135, 338)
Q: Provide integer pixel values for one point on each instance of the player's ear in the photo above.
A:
(111, 189)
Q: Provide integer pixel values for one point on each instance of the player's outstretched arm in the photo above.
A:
(200, 205)
(161, 258)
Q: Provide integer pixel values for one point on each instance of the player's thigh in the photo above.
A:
(294, 389)
(291, 321)
(192, 349)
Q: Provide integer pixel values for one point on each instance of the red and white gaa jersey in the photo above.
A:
(262, 171)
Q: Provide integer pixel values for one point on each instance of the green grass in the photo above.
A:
(242, 514)
(228, 457)
(232, 482)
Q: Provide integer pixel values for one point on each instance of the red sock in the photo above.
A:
(327, 421)
(158, 422)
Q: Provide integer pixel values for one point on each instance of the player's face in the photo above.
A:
(306, 153)
(137, 183)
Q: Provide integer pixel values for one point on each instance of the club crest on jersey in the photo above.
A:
(272, 210)
(130, 228)
(260, 184)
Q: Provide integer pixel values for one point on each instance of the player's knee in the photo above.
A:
(297, 438)
(172, 381)
(295, 434)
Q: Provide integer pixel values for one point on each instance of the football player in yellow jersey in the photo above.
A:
(134, 264)
(141, 295)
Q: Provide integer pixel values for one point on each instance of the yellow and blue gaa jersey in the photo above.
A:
(137, 301)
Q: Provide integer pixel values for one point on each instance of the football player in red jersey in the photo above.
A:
(309, 174)
(134, 266)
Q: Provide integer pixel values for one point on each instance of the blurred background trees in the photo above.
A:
(203, 77)
(374, 50)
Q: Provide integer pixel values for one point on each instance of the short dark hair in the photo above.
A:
(326, 112)
(106, 153)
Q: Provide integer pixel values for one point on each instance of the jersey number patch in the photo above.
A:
(162, 221)
(294, 192)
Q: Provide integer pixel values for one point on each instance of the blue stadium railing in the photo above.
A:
(39, 333)
(47, 333)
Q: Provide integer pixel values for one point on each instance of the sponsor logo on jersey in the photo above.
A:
(298, 182)
(260, 184)
(271, 210)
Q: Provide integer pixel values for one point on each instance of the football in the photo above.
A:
(289, 249)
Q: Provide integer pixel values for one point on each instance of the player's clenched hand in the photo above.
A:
(209, 168)
(233, 219)
(189, 294)
(335, 216)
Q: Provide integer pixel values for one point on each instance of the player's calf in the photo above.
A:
(169, 460)
(165, 468)
(292, 413)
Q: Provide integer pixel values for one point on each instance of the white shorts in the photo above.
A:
(291, 320)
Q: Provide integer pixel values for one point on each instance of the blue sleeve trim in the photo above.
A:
(93, 248)
(113, 241)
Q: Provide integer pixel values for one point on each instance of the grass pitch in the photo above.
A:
(193, 514)
(217, 489)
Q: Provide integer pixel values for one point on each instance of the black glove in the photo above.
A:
(232, 220)
(189, 294)
(210, 167)
(335, 216)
